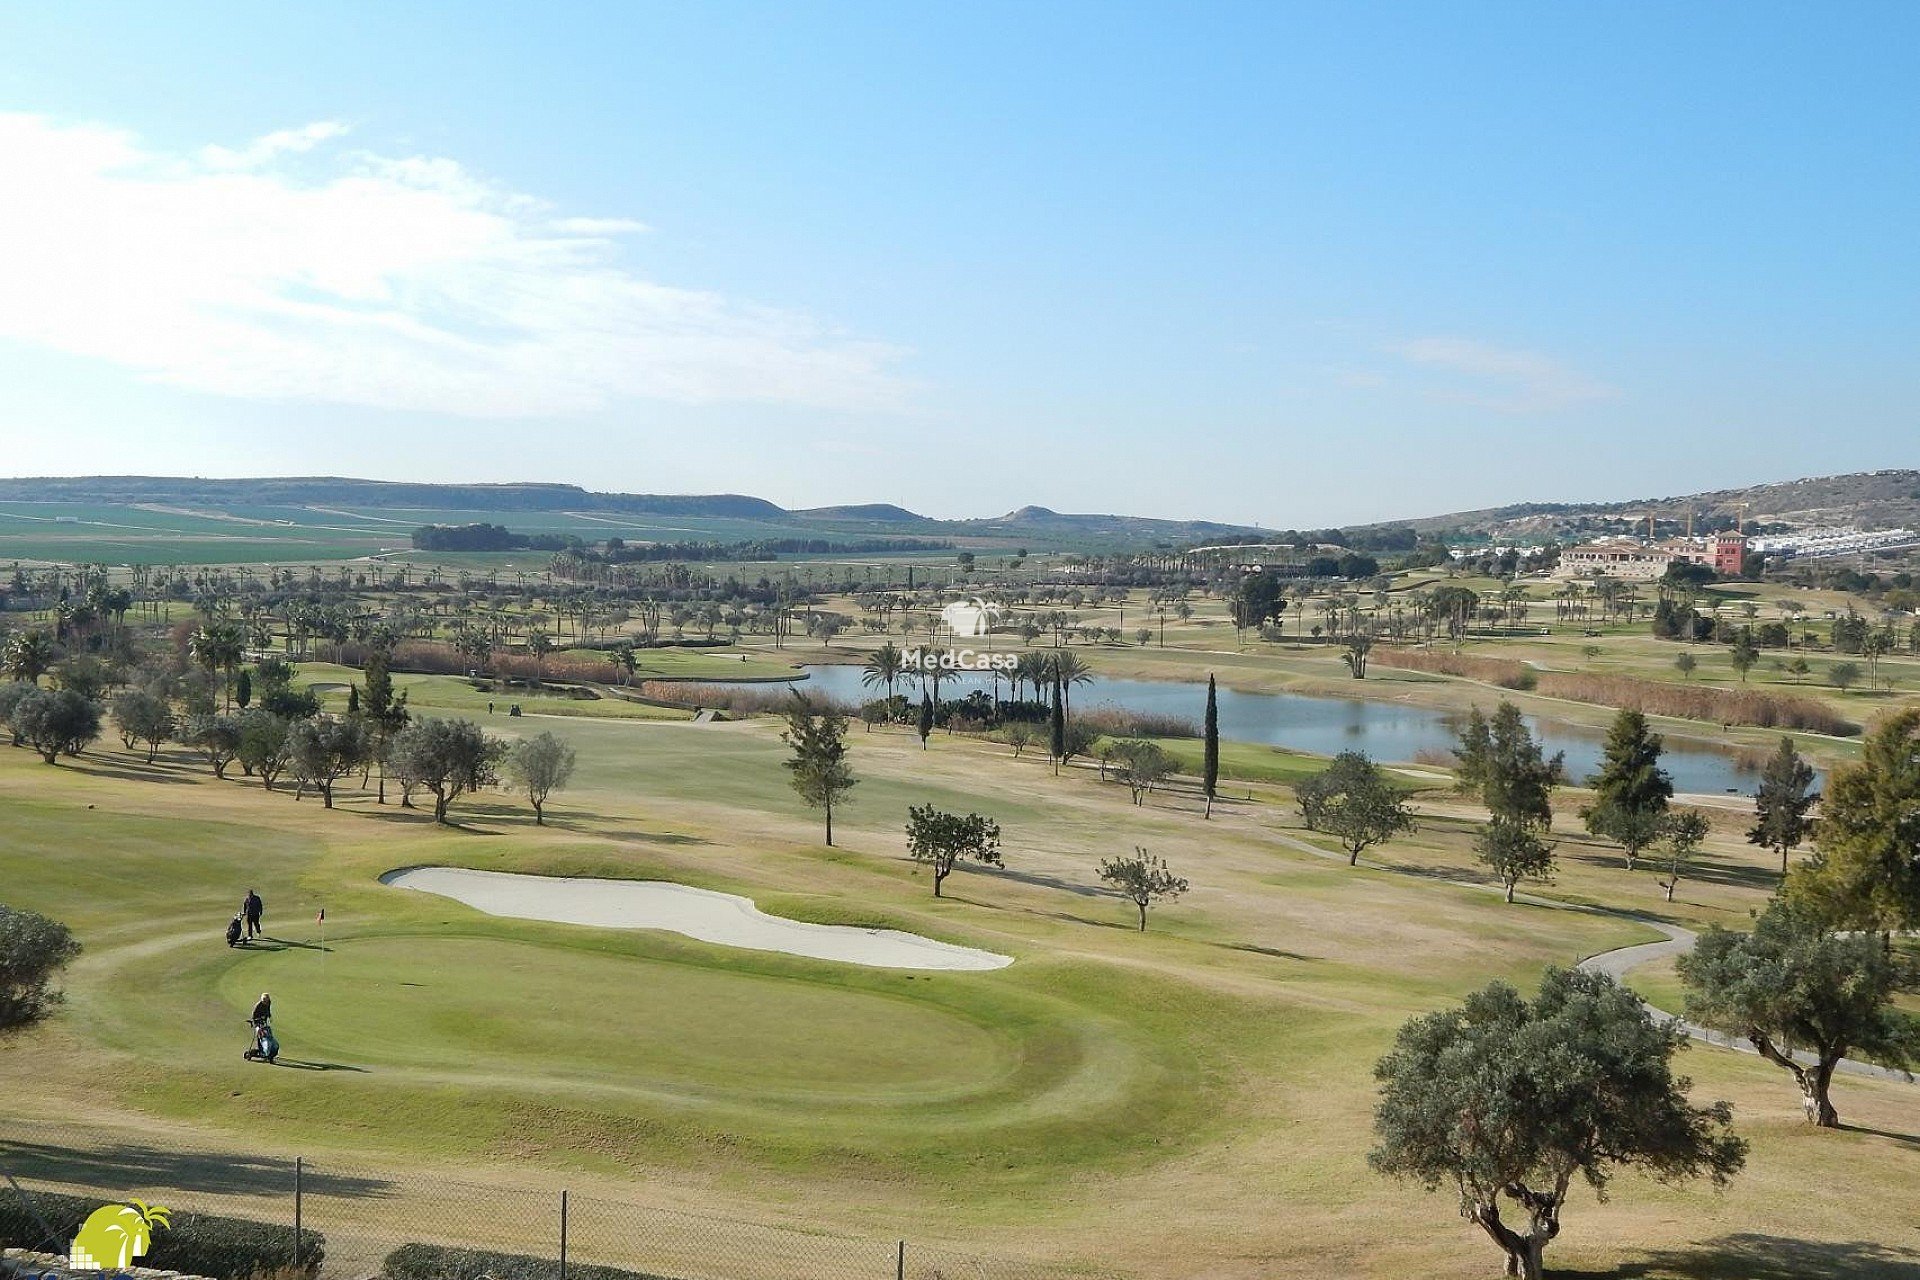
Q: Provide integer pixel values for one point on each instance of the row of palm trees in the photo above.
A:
(1039, 670)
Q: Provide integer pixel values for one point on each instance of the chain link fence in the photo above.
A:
(414, 1226)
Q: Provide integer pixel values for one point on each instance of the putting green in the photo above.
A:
(534, 1012)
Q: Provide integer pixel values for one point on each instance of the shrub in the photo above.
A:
(1506, 673)
(1756, 707)
(435, 1262)
(1114, 722)
(196, 1244)
(32, 949)
(774, 698)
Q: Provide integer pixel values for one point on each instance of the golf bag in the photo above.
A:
(265, 1047)
(233, 932)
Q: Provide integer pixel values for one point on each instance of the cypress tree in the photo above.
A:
(1210, 763)
(1057, 728)
(926, 719)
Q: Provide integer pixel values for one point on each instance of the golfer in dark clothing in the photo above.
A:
(262, 1010)
(253, 909)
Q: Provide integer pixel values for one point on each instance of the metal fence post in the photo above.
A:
(299, 1169)
(900, 1262)
(563, 1235)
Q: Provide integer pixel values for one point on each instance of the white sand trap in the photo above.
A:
(723, 918)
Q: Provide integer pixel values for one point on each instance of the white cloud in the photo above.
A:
(1502, 378)
(397, 283)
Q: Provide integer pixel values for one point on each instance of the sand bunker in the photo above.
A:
(723, 918)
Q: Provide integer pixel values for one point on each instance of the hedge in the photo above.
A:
(198, 1244)
(434, 1262)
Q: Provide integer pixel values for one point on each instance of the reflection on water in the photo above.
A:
(1395, 731)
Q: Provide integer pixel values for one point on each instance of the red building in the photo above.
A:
(1729, 554)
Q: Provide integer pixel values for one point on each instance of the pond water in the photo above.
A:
(1392, 731)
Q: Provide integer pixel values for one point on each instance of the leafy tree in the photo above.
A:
(1351, 799)
(1745, 653)
(32, 950)
(215, 737)
(1685, 664)
(1143, 879)
(1509, 1099)
(143, 717)
(1142, 766)
(923, 724)
(541, 765)
(1683, 832)
(1794, 985)
(265, 744)
(1502, 764)
(1786, 794)
(1843, 675)
(1019, 735)
(1514, 851)
(325, 749)
(243, 689)
(55, 721)
(12, 693)
(818, 740)
(1865, 869)
(942, 840)
(1631, 790)
(447, 757)
(1210, 750)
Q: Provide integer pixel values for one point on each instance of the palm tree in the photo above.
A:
(218, 647)
(884, 666)
(28, 656)
(1069, 668)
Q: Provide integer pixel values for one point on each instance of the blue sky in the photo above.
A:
(1292, 265)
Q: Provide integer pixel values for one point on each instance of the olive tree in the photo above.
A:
(55, 722)
(325, 749)
(1143, 879)
(1510, 1100)
(32, 950)
(266, 744)
(540, 766)
(448, 758)
(143, 716)
(1795, 986)
(1142, 765)
(215, 737)
(1352, 800)
(943, 840)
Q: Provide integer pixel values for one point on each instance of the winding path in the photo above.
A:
(1621, 961)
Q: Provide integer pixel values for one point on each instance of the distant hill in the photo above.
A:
(1869, 499)
(883, 512)
(1041, 525)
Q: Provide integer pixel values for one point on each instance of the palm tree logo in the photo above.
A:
(114, 1235)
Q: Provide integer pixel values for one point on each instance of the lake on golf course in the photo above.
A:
(1388, 731)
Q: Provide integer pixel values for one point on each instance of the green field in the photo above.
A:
(1217, 1061)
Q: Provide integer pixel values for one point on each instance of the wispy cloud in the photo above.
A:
(290, 268)
(1503, 379)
